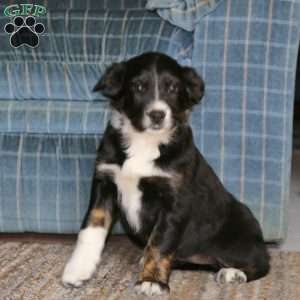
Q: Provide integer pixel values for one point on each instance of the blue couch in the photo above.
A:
(51, 122)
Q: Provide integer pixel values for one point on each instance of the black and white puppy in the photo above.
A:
(150, 174)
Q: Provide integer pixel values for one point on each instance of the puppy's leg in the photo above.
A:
(154, 277)
(245, 271)
(159, 254)
(92, 236)
(239, 247)
(243, 262)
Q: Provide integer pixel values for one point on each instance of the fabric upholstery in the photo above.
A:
(183, 13)
(247, 53)
(45, 181)
(77, 47)
(54, 117)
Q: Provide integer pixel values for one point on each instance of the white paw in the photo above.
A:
(85, 258)
(78, 269)
(150, 288)
(231, 275)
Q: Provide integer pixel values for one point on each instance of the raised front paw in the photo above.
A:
(152, 288)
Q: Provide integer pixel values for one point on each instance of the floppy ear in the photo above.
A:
(194, 85)
(111, 83)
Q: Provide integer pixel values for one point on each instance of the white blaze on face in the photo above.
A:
(159, 105)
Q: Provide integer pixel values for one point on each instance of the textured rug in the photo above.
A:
(30, 271)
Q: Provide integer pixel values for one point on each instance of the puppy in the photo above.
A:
(150, 174)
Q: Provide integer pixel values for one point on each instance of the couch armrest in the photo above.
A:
(247, 51)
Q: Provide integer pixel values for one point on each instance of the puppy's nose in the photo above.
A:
(156, 116)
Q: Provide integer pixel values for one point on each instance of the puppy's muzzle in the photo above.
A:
(156, 116)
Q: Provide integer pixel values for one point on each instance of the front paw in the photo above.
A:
(80, 267)
(76, 272)
(85, 257)
(152, 288)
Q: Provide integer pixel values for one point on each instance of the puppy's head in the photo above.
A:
(152, 90)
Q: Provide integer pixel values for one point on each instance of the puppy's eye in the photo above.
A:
(138, 86)
(172, 88)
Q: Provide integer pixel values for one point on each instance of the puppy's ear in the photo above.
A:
(194, 85)
(111, 83)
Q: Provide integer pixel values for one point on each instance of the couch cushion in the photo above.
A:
(44, 181)
(55, 117)
(76, 48)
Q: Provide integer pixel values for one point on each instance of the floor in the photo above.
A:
(32, 271)
(293, 238)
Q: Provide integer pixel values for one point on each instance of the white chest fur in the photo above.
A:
(143, 149)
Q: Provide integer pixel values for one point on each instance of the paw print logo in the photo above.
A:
(24, 31)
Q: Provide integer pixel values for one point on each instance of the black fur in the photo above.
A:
(193, 214)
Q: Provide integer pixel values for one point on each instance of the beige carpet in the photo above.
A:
(32, 271)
